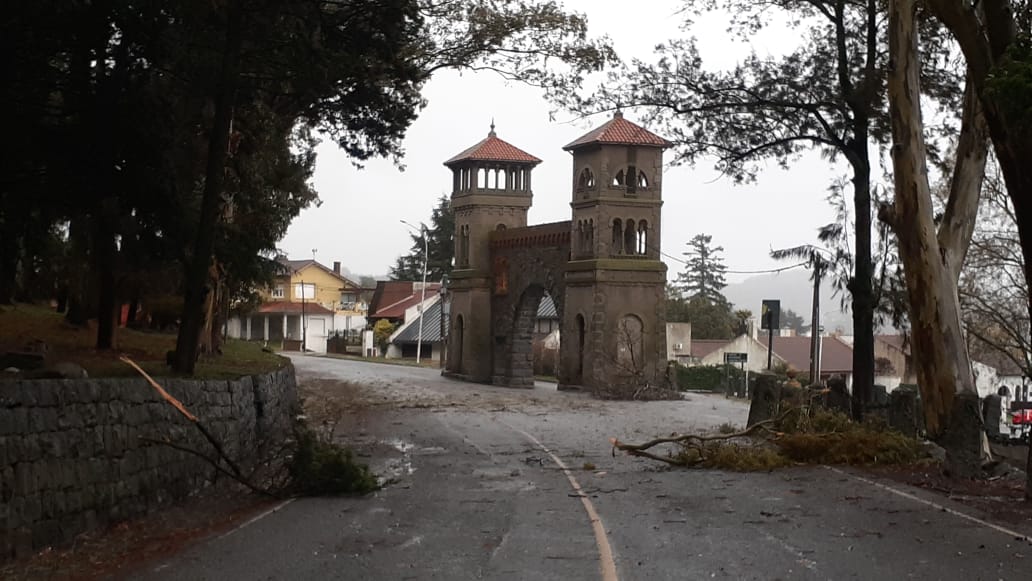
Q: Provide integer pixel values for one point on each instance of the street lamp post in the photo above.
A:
(422, 298)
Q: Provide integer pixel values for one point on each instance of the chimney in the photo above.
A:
(336, 267)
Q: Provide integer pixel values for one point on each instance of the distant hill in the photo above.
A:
(795, 291)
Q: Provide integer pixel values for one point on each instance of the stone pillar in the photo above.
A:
(284, 325)
(247, 333)
(265, 330)
(905, 411)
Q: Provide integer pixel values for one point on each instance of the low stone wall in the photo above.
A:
(76, 455)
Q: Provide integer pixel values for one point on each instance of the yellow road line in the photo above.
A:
(605, 553)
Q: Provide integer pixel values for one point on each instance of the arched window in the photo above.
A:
(618, 179)
(643, 181)
(500, 227)
(617, 237)
(464, 245)
(643, 235)
(630, 242)
(587, 179)
(591, 236)
(482, 179)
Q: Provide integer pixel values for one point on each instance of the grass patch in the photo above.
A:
(22, 324)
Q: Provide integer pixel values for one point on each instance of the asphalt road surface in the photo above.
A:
(495, 483)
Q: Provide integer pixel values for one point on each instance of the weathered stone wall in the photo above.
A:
(76, 455)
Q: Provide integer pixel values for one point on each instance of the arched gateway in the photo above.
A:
(602, 268)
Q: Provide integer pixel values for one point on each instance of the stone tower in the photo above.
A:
(614, 323)
(491, 191)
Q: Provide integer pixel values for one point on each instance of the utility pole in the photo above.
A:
(304, 327)
(815, 322)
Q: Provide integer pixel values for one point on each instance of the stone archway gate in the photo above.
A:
(526, 263)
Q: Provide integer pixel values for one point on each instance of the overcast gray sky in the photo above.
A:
(358, 222)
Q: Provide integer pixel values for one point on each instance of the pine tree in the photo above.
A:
(703, 275)
(441, 244)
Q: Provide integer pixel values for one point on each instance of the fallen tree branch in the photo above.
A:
(213, 461)
(237, 474)
(687, 438)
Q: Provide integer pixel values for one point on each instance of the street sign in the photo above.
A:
(736, 357)
(770, 317)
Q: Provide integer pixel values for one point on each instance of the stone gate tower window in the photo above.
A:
(587, 179)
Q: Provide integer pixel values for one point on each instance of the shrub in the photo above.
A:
(320, 467)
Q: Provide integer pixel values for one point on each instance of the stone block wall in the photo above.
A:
(80, 454)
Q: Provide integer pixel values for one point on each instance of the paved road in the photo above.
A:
(480, 492)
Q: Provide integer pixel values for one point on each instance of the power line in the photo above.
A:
(767, 271)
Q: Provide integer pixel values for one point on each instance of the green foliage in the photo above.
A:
(711, 377)
(440, 243)
(739, 457)
(703, 275)
(320, 467)
(832, 438)
(120, 110)
(382, 331)
(710, 320)
(1010, 83)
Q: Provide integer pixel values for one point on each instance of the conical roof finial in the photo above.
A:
(492, 132)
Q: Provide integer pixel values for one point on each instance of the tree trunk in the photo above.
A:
(80, 295)
(105, 252)
(943, 368)
(196, 279)
(862, 286)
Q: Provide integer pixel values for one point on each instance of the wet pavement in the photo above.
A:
(496, 483)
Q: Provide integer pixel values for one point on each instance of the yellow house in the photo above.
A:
(304, 307)
(316, 284)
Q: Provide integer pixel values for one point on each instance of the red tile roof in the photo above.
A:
(836, 356)
(289, 308)
(619, 131)
(493, 149)
(703, 347)
(393, 298)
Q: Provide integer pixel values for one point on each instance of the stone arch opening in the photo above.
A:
(630, 243)
(643, 180)
(518, 371)
(617, 245)
(587, 179)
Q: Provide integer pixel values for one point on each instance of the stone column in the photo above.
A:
(247, 334)
(265, 329)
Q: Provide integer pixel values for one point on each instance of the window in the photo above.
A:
(617, 237)
(643, 181)
(618, 179)
(643, 234)
(464, 245)
(304, 291)
(278, 292)
(587, 179)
